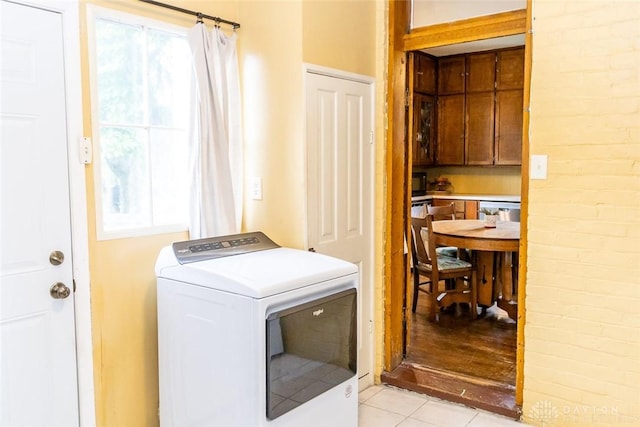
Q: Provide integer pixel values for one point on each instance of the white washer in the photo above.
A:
(252, 334)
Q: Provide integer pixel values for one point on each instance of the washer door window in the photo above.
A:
(311, 348)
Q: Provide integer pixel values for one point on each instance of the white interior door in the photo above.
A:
(340, 186)
(38, 379)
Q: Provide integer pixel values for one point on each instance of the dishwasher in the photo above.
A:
(507, 211)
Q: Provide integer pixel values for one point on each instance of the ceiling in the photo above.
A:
(477, 46)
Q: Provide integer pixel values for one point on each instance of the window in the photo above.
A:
(141, 83)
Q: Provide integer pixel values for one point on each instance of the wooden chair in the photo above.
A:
(436, 267)
(442, 213)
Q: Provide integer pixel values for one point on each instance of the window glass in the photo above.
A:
(143, 77)
(120, 69)
(169, 191)
(169, 79)
(123, 157)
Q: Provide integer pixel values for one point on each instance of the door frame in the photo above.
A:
(69, 11)
(371, 82)
(401, 41)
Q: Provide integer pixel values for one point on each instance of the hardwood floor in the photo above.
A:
(460, 359)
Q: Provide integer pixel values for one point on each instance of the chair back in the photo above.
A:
(421, 230)
(432, 244)
(442, 212)
(421, 255)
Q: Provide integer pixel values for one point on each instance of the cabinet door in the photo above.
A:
(424, 75)
(510, 69)
(424, 114)
(450, 142)
(479, 129)
(470, 209)
(451, 75)
(509, 112)
(481, 72)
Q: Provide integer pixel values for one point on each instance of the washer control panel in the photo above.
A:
(221, 246)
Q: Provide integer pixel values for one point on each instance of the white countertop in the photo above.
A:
(479, 197)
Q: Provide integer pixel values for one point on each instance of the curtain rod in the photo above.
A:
(235, 25)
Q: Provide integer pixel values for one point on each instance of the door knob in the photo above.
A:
(56, 258)
(59, 291)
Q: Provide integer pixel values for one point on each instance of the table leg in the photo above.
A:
(507, 301)
(483, 261)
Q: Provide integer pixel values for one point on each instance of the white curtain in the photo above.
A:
(216, 153)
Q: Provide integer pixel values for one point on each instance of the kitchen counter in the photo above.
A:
(478, 197)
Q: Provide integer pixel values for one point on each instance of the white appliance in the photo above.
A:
(253, 334)
(507, 211)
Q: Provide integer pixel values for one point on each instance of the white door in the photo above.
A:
(38, 380)
(340, 186)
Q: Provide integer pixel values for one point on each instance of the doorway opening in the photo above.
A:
(479, 362)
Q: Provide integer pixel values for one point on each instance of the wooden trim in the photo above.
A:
(408, 284)
(395, 267)
(467, 30)
(524, 209)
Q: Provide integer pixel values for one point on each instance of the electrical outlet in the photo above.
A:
(538, 167)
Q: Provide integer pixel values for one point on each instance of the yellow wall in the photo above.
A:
(502, 180)
(275, 39)
(270, 45)
(582, 333)
(340, 34)
(123, 288)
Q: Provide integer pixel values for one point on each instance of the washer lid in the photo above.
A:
(255, 274)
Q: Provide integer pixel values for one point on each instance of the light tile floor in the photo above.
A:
(385, 406)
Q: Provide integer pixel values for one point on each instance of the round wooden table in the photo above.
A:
(472, 234)
(492, 253)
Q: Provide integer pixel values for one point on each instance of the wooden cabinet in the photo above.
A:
(464, 209)
(465, 120)
(424, 138)
(481, 72)
(508, 139)
(510, 69)
(480, 109)
(450, 142)
(423, 125)
(424, 75)
(471, 209)
(509, 106)
(451, 75)
(479, 136)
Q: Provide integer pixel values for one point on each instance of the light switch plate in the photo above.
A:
(538, 167)
(256, 188)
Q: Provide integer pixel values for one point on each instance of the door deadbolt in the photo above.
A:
(59, 291)
(56, 258)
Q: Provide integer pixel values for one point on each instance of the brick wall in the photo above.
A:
(582, 333)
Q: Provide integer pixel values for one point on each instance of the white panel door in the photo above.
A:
(38, 380)
(340, 186)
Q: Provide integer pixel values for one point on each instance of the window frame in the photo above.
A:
(94, 13)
